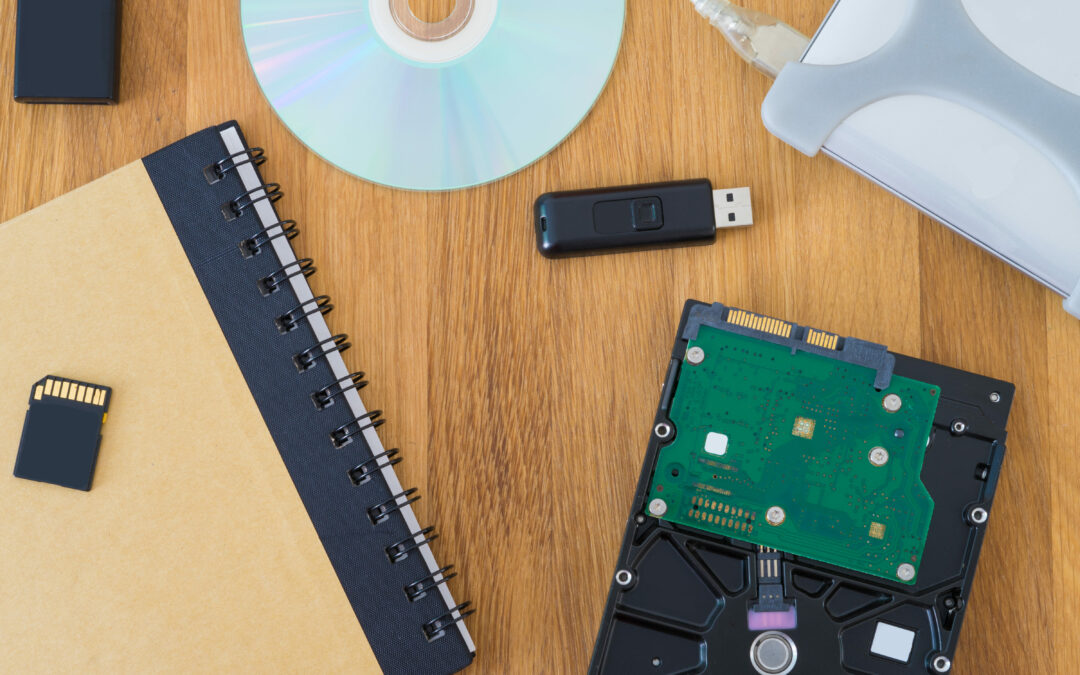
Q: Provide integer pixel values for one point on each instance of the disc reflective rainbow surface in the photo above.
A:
(407, 123)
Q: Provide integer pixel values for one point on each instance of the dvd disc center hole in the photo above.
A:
(431, 20)
(432, 11)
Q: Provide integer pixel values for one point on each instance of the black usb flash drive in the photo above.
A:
(637, 217)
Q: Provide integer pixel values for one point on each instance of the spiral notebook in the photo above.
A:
(244, 514)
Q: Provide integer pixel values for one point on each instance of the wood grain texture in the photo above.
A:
(512, 381)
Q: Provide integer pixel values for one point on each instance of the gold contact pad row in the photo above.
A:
(757, 322)
(767, 324)
(736, 518)
(821, 339)
(71, 391)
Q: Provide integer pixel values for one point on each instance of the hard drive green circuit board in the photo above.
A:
(799, 452)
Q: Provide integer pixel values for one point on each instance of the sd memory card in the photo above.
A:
(62, 432)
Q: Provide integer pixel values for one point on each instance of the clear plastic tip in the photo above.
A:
(764, 41)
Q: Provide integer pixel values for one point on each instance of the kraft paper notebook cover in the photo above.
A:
(225, 529)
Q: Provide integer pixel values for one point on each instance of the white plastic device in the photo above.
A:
(968, 109)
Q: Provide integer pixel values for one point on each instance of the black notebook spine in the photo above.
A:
(326, 436)
(345, 433)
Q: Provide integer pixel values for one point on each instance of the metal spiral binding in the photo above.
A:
(323, 398)
(401, 549)
(235, 207)
(216, 171)
(362, 472)
(343, 435)
(253, 247)
(420, 587)
(436, 628)
(288, 321)
(382, 511)
(307, 358)
(270, 284)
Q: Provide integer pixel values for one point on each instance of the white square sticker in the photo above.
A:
(716, 444)
(893, 642)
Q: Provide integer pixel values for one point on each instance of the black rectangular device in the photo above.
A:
(67, 51)
(62, 432)
(636, 217)
(809, 503)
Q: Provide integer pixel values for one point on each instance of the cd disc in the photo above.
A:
(432, 106)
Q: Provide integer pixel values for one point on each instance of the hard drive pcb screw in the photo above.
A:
(775, 515)
(941, 664)
(879, 456)
(695, 355)
(658, 507)
(905, 572)
(892, 403)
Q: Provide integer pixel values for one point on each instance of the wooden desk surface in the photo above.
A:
(521, 390)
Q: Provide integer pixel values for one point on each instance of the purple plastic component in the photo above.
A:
(786, 620)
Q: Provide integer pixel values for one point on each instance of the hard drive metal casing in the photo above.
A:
(680, 598)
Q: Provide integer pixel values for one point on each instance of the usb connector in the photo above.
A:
(763, 41)
(660, 215)
(731, 208)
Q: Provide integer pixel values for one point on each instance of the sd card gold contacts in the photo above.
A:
(62, 432)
